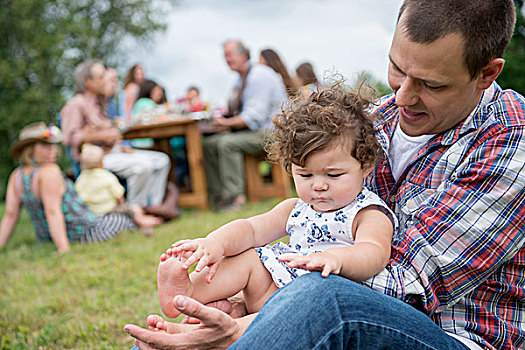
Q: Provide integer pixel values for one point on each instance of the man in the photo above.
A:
(453, 173)
(111, 81)
(112, 108)
(258, 95)
(85, 121)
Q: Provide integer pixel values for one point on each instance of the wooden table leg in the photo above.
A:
(164, 146)
(196, 165)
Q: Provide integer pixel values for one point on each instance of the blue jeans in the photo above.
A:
(314, 312)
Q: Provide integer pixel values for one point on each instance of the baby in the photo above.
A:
(336, 226)
(103, 193)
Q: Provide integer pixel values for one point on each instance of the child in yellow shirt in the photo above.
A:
(103, 193)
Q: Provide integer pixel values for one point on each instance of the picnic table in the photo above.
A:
(161, 132)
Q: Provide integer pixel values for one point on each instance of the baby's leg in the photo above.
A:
(241, 272)
(144, 221)
(172, 280)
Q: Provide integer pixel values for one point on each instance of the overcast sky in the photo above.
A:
(346, 36)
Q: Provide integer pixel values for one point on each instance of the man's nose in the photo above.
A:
(407, 94)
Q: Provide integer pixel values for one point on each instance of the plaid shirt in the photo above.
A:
(459, 255)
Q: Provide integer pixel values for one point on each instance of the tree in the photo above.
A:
(513, 74)
(41, 41)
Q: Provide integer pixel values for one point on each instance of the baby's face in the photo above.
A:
(330, 180)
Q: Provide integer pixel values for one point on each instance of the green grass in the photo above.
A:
(82, 300)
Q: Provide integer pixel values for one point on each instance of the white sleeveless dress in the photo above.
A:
(312, 232)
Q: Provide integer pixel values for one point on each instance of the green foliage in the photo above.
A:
(381, 87)
(41, 41)
(513, 74)
(83, 299)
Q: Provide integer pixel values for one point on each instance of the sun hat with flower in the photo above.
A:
(34, 132)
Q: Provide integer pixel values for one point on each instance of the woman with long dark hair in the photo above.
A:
(132, 81)
(270, 58)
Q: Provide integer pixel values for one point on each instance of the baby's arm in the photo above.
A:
(236, 236)
(368, 255)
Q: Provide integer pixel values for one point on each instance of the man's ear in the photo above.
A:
(490, 72)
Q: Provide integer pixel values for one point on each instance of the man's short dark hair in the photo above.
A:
(485, 25)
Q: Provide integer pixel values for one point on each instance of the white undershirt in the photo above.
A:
(402, 150)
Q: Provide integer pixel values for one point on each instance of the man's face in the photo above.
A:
(111, 82)
(96, 83)
(234, 59)
(433, 88)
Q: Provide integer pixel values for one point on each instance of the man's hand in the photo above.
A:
(112, 135)
(235, 122)
(220, 120)
(325, 262)
(234, 306)
(107, 136)
(216, 330)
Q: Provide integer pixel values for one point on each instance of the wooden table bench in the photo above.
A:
(161, 133)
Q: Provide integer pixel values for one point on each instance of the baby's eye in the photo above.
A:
(305, 175)
(335, 175)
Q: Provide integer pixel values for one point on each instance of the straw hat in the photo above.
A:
(35, 132)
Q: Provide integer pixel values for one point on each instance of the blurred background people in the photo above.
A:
(256, 97)
(84, 120)
(306, 79)
(102, 192)
(111, 104)
(149, 97)
(111, 84)
(191, 102)
(132, 81)
(56, 211)
(270, 58)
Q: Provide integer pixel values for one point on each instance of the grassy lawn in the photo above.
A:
(83, 299)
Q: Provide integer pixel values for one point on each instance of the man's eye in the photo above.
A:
(335, 175)
(431, 87)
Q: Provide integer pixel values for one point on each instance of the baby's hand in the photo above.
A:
(324, 262)
(207, 252)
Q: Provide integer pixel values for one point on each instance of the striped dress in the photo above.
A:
(81, 224)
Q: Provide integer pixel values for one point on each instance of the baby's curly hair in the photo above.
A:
(329, 115)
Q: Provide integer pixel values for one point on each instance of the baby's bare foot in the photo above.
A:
(172, 280)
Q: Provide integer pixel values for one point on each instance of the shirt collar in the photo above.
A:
(476, 118)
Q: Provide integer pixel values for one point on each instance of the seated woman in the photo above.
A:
(128, 96)
(270, 58)
(150, 96)
(57, 212)
(307, 79)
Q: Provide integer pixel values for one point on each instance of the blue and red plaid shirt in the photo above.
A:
(459, 254)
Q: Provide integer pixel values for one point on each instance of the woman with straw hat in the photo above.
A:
(57, 212)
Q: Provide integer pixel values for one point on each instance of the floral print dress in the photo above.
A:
(311, 232)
